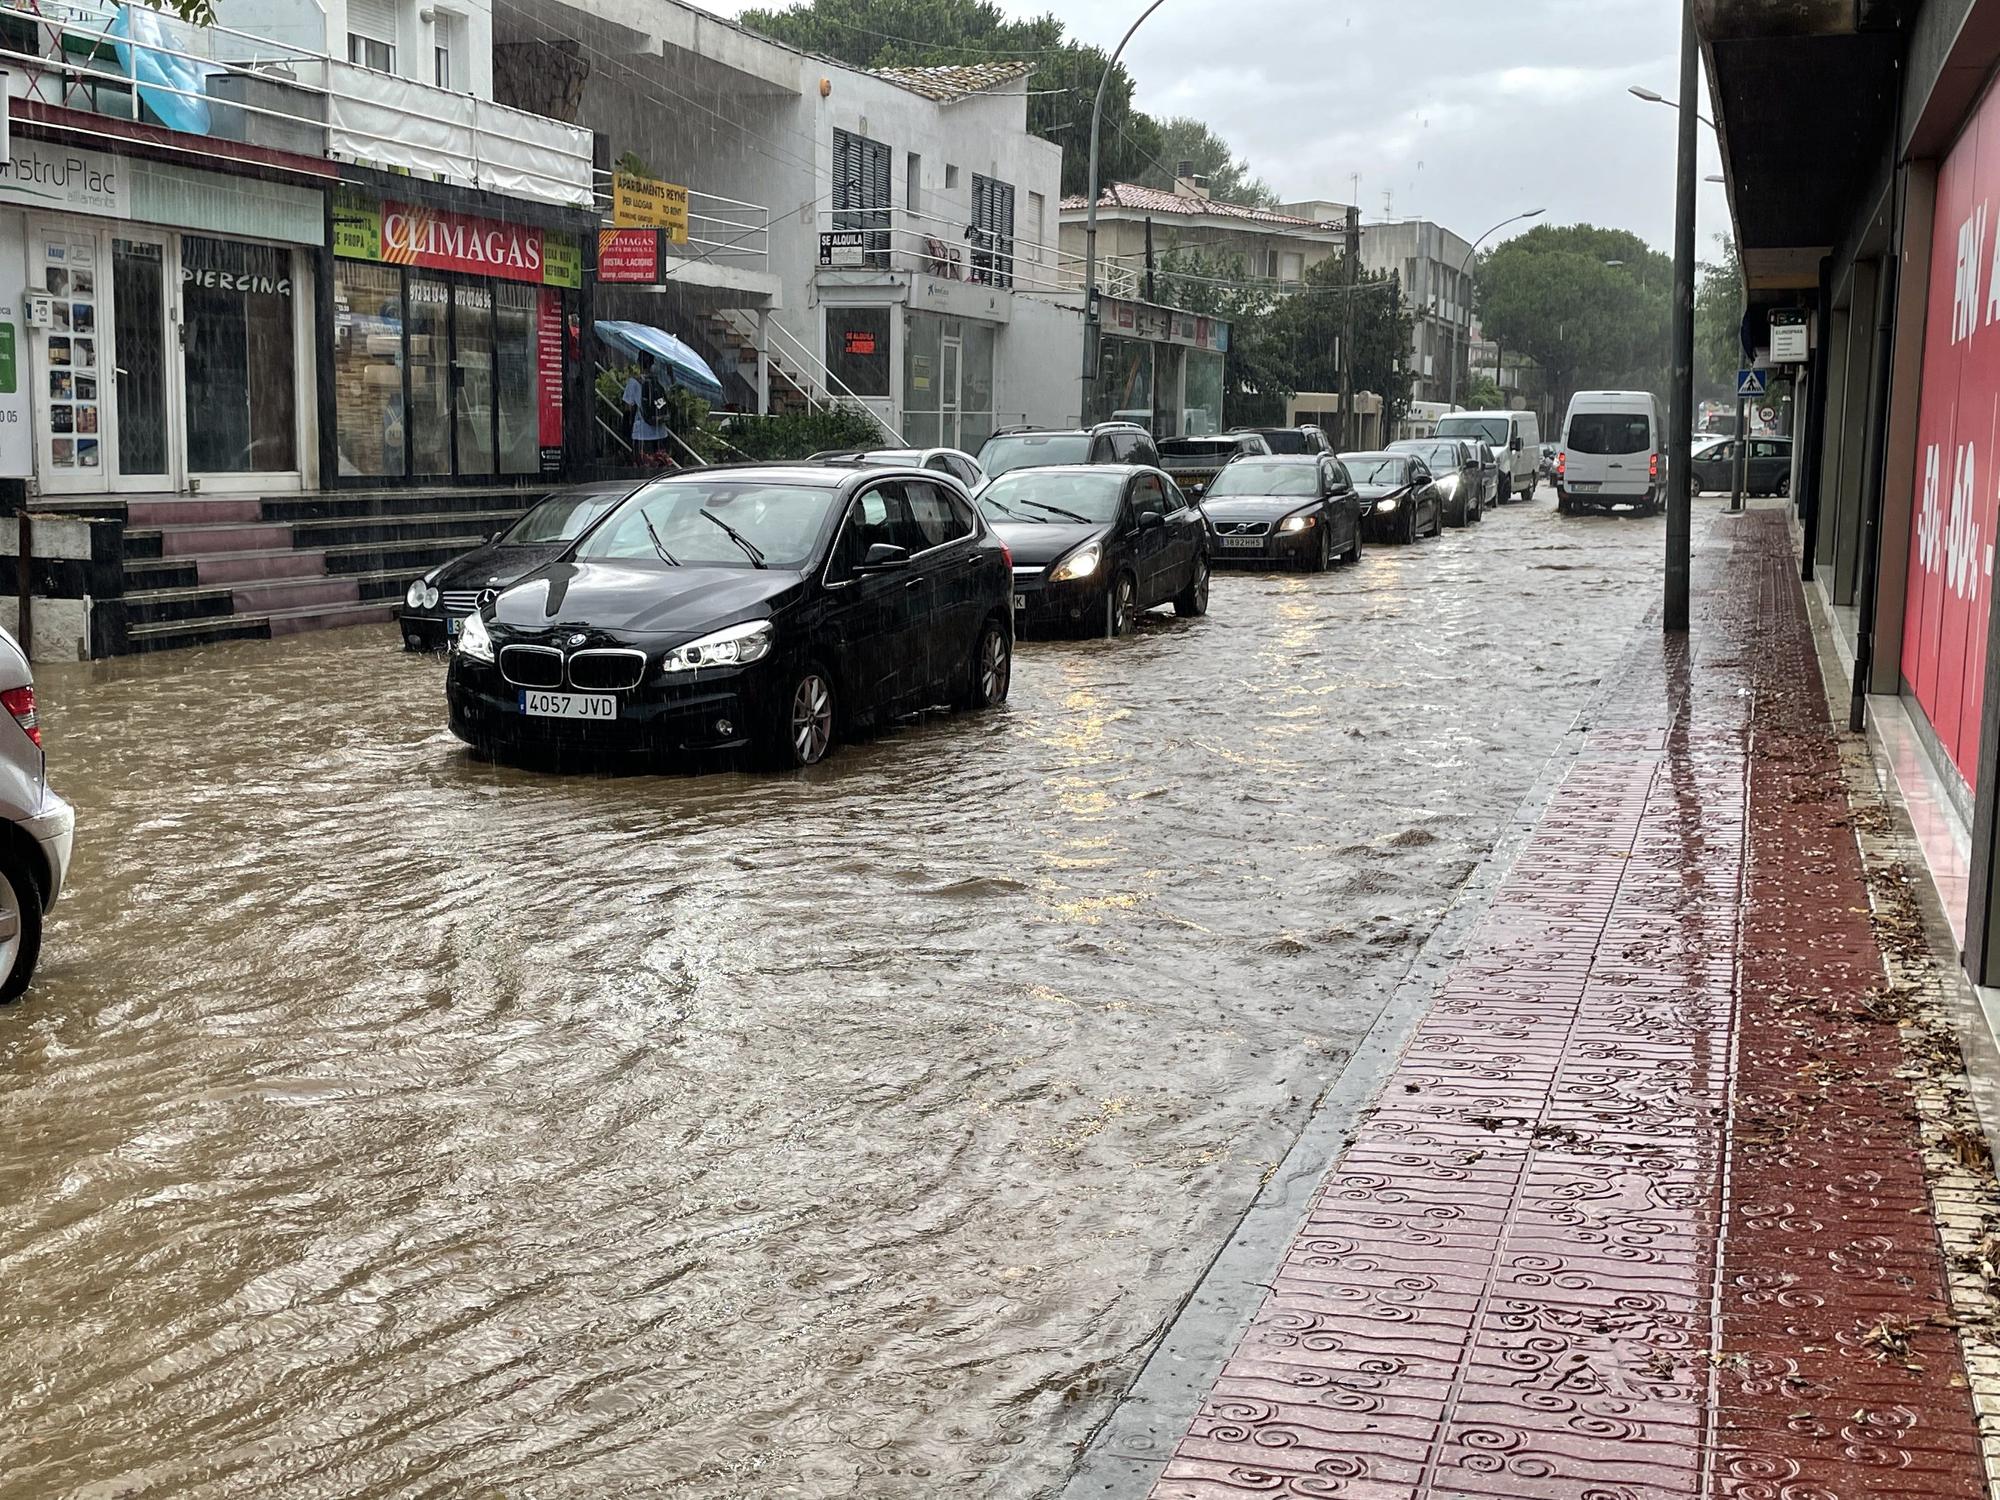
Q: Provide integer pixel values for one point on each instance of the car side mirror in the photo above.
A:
(1515, 445)
(884, 556)
(1151, 520)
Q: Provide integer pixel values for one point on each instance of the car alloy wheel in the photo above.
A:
(20, 929)
(811, 719)
(1119, 606)
(996, 666)
(1192, 601)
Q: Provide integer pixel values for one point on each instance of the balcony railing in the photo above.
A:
(132, 63)
(897, 239)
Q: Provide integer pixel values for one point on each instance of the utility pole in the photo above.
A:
(1680, 420)
(1353, 251)
(1152, 293)
(1739, 478)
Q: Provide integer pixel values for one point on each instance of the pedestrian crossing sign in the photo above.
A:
(1751, 382)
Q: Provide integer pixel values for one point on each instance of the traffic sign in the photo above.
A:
(1750, 382)
(1767, 413)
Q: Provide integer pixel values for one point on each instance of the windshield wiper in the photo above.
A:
(658, 546)
(1057, 510)
(749, 550)
(1008, 509)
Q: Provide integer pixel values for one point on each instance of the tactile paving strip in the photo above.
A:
(1623, 1226)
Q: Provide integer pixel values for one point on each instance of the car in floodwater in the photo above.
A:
(38, 825)
(1097, 545)
(958, 464)
(436, 603)
(1463, 472)
(1399, 497)
(1298, 511)
(764, 608)
(1195, 461)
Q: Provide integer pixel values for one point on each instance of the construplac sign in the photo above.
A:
(63, 179)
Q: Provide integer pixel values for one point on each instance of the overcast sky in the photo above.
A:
(1462, 111)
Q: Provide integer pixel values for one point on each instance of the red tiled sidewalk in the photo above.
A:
(1641, 1213)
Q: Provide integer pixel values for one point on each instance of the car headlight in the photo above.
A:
(1079, 564)
(1383, 507)
(1297, 523)
(473, 641)
(737, 646)
(422, 595)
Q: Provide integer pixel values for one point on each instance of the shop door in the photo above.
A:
(473, 410)
(142, 420)
(951, 364)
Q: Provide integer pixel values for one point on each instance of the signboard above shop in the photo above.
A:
(629, 257)
(647, 203)
(403, 234)
(1790, 342)
(1162, 325)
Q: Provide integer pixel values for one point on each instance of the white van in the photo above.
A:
(1515, 435)
(1611, 453)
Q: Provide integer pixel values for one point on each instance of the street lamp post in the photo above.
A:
(1680, 419)
(1090, 222)
(1533, 213)
(1653, 96)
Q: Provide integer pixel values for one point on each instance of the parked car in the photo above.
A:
(436, 603)
(34, 862)
(1462, 471)
(1400, 499)
(1611, 453)
(765, 607)
(1770, 473)
(960, 466)
(1515, 435)
(1195, 461)
(1302, 439)
(1040, 447)
(1284, 508)
(1548, 464)
(1095, 546)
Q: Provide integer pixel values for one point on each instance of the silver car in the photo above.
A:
(959, 465)
(35, 843)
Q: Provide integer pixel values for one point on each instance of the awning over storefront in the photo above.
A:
(683, 365)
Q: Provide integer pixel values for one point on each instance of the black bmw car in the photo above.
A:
(767, 608)
(1300, 510)
(1399, 498)
(1096, 545)
(439, 601)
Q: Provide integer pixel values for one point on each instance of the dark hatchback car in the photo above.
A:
(1770, 469)
(436, 603)
(1281, 509)
(1195, 461)
(768, 608)
(1303, 439)
(1096, 545)
(1044, 447)
(1400, 500)
(1460, 475)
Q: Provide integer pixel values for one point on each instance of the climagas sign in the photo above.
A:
(402, 234)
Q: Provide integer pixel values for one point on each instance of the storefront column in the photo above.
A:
(1854, 437)
(1899, 437)
(763, 361)
(1982, 897)
(1826, 482)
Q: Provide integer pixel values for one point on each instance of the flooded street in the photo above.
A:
(384, 1123)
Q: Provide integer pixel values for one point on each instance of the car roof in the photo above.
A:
(1124, 470)
(1374, 453)
(1282, 458)
(807, 475)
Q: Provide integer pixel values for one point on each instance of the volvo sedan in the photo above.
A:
(1300, 511)
(437, 603)
(1096, 545)
(761, 608)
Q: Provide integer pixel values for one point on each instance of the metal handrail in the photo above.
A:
(807, 362)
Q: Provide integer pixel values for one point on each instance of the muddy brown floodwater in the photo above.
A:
(383, 1123)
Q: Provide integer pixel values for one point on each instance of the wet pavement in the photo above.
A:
(383, 1123)
(1642, 1210)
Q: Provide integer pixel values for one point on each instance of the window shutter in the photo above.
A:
(374, 19)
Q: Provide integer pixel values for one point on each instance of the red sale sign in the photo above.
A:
(1958, 448)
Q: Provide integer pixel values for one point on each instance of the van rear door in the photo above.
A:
(1610, 454)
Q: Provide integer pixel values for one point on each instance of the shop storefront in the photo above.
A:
(948, 381)
(1160, 368)
(453, 341)
(161, 358)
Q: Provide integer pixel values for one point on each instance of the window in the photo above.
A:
(1147, 496)
(1610, 432)
(950, 175)
(238, 308)
(992, 231)
(367, 52)
(861, 192)
(936, 516)
(1038, 225)
(877, 517)
(913, 183)
(1125, 446)
(1291, 266)
(1767, 449)
(857, 350)
(441, 61)
(368, 368)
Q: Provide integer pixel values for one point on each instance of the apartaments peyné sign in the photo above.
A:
(404, 234)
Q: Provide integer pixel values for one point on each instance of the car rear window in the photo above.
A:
(1034, 450)
(1287, 440)
(1197, 451)
(1610, 432)
(1492, 430)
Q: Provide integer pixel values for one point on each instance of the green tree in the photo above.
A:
(1484, 394)
(1592, 305)
(1230, 179)
(1718, 324)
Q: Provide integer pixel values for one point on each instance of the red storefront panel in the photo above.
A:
(1958, 447)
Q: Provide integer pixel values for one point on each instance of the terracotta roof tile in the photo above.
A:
(947, 83)
(1154, 201)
